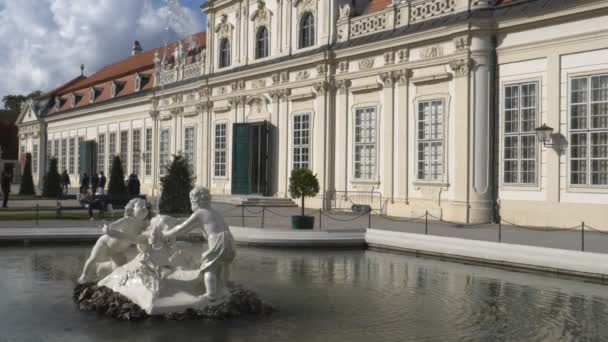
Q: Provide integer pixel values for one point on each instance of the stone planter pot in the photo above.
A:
(302, 222)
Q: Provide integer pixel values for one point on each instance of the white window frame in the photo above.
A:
(443, 160)
(148, 151)
(35, 159)
(124, 151)
(190, 154)
(301, 145)
(79, 141)
(64, 154)
(101, 152)
(164, 151)
(112, 136)
(373, 177)
(588, 131)
(136, 151)
(72, 155)
(225, 149)
(519, 135)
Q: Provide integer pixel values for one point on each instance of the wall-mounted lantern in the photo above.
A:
(543, 134)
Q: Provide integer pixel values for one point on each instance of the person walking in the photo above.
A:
(6, 180)
(102, 183)
(84, 181)
(133, 185)
(94, 183)
(65, 182)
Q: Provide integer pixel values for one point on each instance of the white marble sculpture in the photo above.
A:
(110, 249)
(164, 277)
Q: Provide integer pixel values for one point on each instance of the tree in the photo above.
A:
(52, 185)
(176, 187)
(27, 182)
(117, 190)
(14, 102)
(303, 183)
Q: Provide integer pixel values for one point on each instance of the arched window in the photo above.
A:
(307, 31)
(225, 53)
(261, 43)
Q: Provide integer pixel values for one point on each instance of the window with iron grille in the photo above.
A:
(164, 150)
(148, 152)
(365, 143)
(72, 148)
(101, 152)
(124, 151)
(520, 151)
(220, 150)
(430, 140)
(589, 131)
(136, 151)
(190, 147)
(301, 141)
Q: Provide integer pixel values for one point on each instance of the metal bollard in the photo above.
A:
(499, 229)
(243, 215)
(263, 211)
(583, 236)
(320, 218)
(426, 223)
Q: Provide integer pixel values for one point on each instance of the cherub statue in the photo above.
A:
(110, 248)
(221, 249)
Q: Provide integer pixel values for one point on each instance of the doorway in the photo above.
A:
(251, 158)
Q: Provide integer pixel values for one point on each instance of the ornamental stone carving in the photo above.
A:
(302, 75)
(345, 10)
(224, 28)
(389, 58)
(462, 67)
(276, 78)
(279, 94)
(204, 107)
(236, 101)
(403, 76)
(305, 5)
(321, 70)
(256, 84)
(366, 63)
(321, 87)
(343, 67)
(342, 86)
(431, 52)
(262, 15)
(204, 92)
(284, 76)
(403, 55)
(462, 43)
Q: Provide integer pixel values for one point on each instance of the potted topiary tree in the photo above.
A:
(52, 186)
(176, 186)
(303, 183)
(27, 182)
(117, 190)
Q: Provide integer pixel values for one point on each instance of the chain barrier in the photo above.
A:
(345, 220)
(277, 214)
(540, 229)
(253, 212)
(595, 229)
(394, 219)
(457, 223)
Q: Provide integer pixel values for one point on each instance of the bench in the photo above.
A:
(105, 200)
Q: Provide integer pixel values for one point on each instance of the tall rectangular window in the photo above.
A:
(164, 150)
(111, 151)
(101, 152)
(49, 149)
(72, 148)
(136, 151)
(521, 111)
(148, 152)
(124, 151)
(64, 155)
(365, 143)
(80, 141)
(56, 149)
(301, 141)
(589, 131)
(430, 140)
(220, 150)
(190, 147)
(35, 159)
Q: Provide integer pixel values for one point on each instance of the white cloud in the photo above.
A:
(43, 42)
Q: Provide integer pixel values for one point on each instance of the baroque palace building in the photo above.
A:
(426, 105)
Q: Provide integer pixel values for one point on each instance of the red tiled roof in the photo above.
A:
(122, 71)
(378, 5)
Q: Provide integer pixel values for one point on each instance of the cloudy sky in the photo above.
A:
(43, 42)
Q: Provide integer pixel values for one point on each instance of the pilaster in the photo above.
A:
(341, 135)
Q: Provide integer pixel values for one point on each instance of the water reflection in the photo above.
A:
(321, 296)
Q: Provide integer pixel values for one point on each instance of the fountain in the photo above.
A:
(164, 278)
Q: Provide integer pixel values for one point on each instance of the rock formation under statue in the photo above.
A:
(164, 278)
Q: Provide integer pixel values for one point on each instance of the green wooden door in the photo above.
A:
(88, 157)
(240, 159)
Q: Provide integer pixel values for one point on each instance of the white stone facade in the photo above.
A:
(406, 104)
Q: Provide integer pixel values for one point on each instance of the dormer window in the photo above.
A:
(224, 53)
(307, 31)
(137, 82)
(92, 94)
(75, 98)
(116, 87)
(261, 43)
(57, 102)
